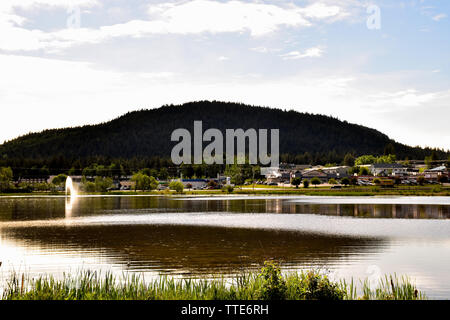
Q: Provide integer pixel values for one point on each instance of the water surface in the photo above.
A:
(215, 236)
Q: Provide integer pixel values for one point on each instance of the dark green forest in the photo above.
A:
(141, 139)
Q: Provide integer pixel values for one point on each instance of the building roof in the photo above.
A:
(441, 168)
(336, 168)
(387, 166)
(314, 173)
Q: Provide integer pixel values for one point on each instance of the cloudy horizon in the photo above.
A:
(376, 63)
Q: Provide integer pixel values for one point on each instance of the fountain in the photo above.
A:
(70, 200)
(70, 188)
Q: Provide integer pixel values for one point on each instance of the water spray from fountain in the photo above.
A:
(70, 188)
(70, 200)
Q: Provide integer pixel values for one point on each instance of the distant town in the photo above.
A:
(383, 171)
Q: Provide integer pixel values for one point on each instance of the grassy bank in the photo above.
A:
(356, 191)
(269, 284)
(311, 191)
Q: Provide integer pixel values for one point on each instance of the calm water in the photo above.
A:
(212, 236)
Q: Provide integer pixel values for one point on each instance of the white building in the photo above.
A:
(388, 169)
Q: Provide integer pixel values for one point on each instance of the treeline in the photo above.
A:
(159, 168)
(163, 168)
(102, 166)
(138, 137)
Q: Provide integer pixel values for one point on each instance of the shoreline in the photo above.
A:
(312, 191)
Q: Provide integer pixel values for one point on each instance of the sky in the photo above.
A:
(383, 64)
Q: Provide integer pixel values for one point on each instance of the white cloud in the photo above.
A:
(60, 93)
(439, 17)
(321, 11)
(265, 49)
(14, 37)
(260, 49)
(191, 17)
(315, 52)
(48, 93)
(405, 98)
(233, 16)
(9, 5)
(43, 93)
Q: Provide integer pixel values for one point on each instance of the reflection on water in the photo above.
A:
(223, 236)
(190, 249)
(42, 208)
(403, 211)
(70, 202)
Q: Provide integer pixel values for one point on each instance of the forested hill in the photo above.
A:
(147, 133)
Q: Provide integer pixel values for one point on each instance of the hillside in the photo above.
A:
(146, 133)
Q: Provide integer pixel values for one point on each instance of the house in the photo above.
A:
(292, 166)
(195, 183)
(273, 175)
(435, 173)
(441, 170)
(388, 169)
(315, 173)
(296, 174)
(126, 185)
(273, 179)
(299, 167)
(34, 180)
(76, 179)
(285, 176)
(336, 172)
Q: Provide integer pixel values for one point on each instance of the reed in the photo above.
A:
(269, 284)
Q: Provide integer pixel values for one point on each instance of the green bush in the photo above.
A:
(6, 177)
(421, 180)
(296, 182)
(314, 286)
(43, 187)
(363, 171)
(177, 186)
(316, 181)
(273, 286)
(228, 188)
(59, 180)
(332, 181)
(103, 184)
(212, 183)
(89, 186)
(345, 181)
(306, 183)
(144, 182)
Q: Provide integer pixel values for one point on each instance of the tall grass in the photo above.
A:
(270, 284)
(392, 288)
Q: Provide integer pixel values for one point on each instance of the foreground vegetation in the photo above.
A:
(269, 284)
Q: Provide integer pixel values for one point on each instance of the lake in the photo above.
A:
(359, 237)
